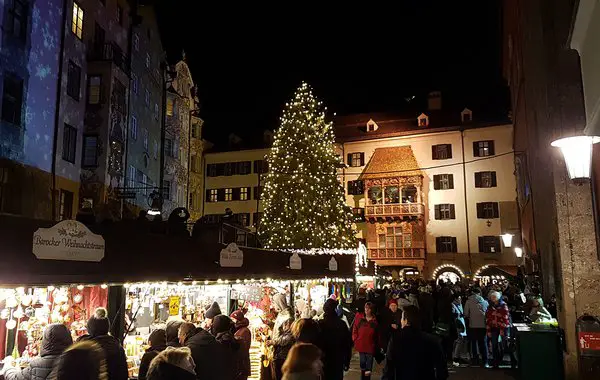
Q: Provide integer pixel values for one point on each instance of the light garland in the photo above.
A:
(443, 266)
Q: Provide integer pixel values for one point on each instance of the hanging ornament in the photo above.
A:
(77, 298)
(5, 313)
(29, 312)
(18, 313)
(11, 324)
(26, 300)
(12, 302)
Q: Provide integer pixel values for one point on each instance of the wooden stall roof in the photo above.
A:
(136, 255)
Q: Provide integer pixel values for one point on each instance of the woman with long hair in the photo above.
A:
(303, 363)
(365, 335)
(82, 361)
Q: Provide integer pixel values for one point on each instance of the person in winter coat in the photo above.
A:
(244, 336)
(281, 347)
(426, 308)
(173, 364)
(497, 322)
(390, 321)
(172, 332)
(335, 342)
(98, 327)
(303, 363)
(206, 352)
(306, 330)
(445, 319)
(412, 354)
(210, 314)
(461, 330)
(365, 335)
(158, 343)
(222, 328)
(82, 361)
(55, 340)
(475, 310)
(284, 313)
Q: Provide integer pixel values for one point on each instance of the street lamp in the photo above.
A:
(156, 203)
(577, 152)
(507, 239)
(518, 252)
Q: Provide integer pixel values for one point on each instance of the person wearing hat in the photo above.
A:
(335, 342)
(391, 321)
(98, 327)
(210, 313)
(244, 336)
(158, 342)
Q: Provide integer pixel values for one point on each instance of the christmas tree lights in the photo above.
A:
(304, 206)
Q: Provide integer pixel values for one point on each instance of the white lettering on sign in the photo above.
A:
(231, 256)
(295, 262)
(68, 240)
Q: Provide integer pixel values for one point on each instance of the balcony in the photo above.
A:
(396, 253)
(391, 212)
(109, 52)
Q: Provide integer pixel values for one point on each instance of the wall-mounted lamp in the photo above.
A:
(577, 152)
(507, 239)
(519, 252)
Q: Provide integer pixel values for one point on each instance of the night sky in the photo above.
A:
(248, 61)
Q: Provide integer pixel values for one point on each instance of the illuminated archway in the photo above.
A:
(441, 270)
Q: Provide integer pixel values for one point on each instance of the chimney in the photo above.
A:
(434, 101)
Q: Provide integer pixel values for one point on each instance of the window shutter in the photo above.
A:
(349, 159)
(438, 244)
(480, 211)
(221, 195)
(433, 152)
(207, 195)
(449, 148)
(350, 187)
(475, 148)
(437, 212)
(362, 159)
(481, 244)
(451, 181)
(497, 244)
(454, 245)
(491, 148)
(478, 179)
(496, 211)
(436, 181)
(452, 212)
(256, 195)
(494, 183)
(235, 194)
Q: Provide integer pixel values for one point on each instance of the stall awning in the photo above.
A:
(133, 254)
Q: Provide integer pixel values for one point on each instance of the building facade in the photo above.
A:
(146, 110)
(431, 195)
(557, 214)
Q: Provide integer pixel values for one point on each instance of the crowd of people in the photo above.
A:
(417, 329)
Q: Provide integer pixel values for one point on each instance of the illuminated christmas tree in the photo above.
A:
(304, 204)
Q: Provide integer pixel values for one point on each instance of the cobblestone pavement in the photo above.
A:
(461, 373)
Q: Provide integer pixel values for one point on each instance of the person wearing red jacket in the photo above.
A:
(497, 323)
(366, 340)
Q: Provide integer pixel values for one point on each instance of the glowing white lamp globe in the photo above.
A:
(519, 252)
(577, 152)
(507, 239)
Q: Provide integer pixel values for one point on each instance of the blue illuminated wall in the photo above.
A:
(35, 60)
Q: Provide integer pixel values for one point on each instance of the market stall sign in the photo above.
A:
(68, 240)
(295, 262)
(174, 303)
(589, 340)
(333, 265)
(231, 256)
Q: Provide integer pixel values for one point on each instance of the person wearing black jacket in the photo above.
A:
(158, 342)
(172, 332)
(221, 329)
(413, 354)
(206, 352)
(335, 342)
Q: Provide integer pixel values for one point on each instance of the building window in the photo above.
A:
(73, 80)
(66, 205)
(131, 176)
(155, 149)
(244, 193)
(394, 238)
(256, 218)
(166, 190)
(134, 127)
(211, 170)
(120, 15)
(392, 195)
(94, 89)
(213, 195)
(487, 210)
(195, 163)
(17, 19)
(69, 148)
(483, 148)
(489, 244)
(170, 107)
(359, 214)
(443, 181)
(77, 21)
(441, 151)
(169, 147)
(257, 192)
(409, 194)
(136, 42)
(243, 219)
(261, 166)
(375, 195)
(445, 211)
(228, 195)
(90, 152)
(485, 179)
(12, 99)
(242, 168)
(356, 187)
(446, 244)
(356, 159)
(196, 130)
(147, 98)
(144, 183)
(147, 60)
(145, 138)
(134, 83)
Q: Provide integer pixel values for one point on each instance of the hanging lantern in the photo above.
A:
(507, 239)
(11, 324)
(577, 152)
(519, 252)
